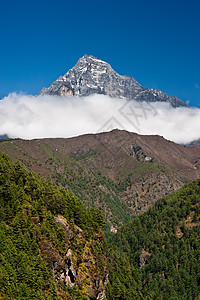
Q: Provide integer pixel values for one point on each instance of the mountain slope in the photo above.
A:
(52, 247)
(119, 172)
(94, 76)
(48, 240)
(164, 245)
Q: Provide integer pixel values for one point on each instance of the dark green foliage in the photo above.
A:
(123, 282)
(89, 186)
(21, 190)
(23, 273)
(86, 188)
(157, 255)
(164, 245)
(24, 197)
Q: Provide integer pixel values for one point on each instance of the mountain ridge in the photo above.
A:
(91, 75)
(52, 247)
(115, 171)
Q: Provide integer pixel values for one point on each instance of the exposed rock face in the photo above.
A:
(68, 231)
(143, 258)
(94, 76)
(77, 265)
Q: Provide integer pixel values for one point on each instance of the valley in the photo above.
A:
(121, 173)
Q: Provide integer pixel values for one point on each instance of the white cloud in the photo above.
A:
(31, 117)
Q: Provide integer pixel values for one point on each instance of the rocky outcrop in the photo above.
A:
(79, 264)
(143, 257)
(94, 76)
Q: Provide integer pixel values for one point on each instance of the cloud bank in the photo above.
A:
(30, 117)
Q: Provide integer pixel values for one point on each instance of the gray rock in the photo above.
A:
(94, 76)
(67, 229)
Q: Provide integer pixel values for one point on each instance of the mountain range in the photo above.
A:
(119, 172)
(53, 247)
(196, 142)
(113, 215)
(94, 76)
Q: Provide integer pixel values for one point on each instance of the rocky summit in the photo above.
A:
(94, 76)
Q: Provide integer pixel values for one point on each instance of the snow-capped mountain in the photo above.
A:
(94, 76)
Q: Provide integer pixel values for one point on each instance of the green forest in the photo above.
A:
(28, 207)
(163, 245)
(155, 256)
(24, 198)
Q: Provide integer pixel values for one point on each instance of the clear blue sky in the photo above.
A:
(156, 42)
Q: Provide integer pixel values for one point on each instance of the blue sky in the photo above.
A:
(156, 42)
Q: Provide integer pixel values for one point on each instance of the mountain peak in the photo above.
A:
(92, 75)
(88, 58)
(91, 63)
(85, 56)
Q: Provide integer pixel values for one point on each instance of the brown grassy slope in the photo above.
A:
(118, 168)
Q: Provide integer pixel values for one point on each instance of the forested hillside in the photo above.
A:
(52, 247)
(164, 245)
